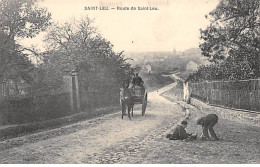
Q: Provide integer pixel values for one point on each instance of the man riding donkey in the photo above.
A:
(137, 81)
(126, 98)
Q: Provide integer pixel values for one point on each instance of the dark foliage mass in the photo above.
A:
(18, 19)
(74, 45)
(77, 46)
(232, 42)
(27, 74)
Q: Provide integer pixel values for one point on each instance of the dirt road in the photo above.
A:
(109, 139)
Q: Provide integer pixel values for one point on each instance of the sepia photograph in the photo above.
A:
(130, 82)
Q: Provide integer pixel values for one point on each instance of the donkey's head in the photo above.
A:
(125, 93)
(128, 94)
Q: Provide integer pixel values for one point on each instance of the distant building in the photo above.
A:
(148, 68)
(204, 61)
(192, 66)
(174, 52)
(161, 58)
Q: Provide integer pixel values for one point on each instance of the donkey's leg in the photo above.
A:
(123, 109)
(129, 112)
(132, 110)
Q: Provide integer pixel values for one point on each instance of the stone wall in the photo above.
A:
(230, 114)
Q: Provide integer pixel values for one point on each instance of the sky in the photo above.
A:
(174, 26)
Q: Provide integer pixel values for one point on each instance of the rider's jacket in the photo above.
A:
(137, 81)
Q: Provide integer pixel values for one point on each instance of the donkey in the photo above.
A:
(127, 101)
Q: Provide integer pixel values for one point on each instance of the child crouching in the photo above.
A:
(180, 133)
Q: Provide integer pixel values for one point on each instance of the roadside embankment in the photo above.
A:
(245, 117)
(24, 129)
(230, 114)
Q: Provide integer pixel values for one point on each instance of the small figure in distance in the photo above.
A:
(207, 123)
(180, 133)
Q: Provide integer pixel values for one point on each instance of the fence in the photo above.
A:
(242, 94)
(73, 98)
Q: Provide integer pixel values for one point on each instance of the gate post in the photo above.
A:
(186, 93)
(75, 91)
(71, 86)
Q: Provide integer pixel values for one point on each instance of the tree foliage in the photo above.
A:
(232, 40)
(22, 18)
(76, 45)
(18, 19)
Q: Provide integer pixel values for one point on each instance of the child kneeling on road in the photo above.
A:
(180, 133)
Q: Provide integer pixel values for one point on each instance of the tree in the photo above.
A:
(22, 18)
(77, 46)
(233, 38)
(18, 19)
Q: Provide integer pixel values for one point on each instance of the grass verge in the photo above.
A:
(25, 129)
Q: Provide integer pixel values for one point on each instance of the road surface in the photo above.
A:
(110, 139)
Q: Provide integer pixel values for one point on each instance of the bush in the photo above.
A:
(154, 81)
(35, 109)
